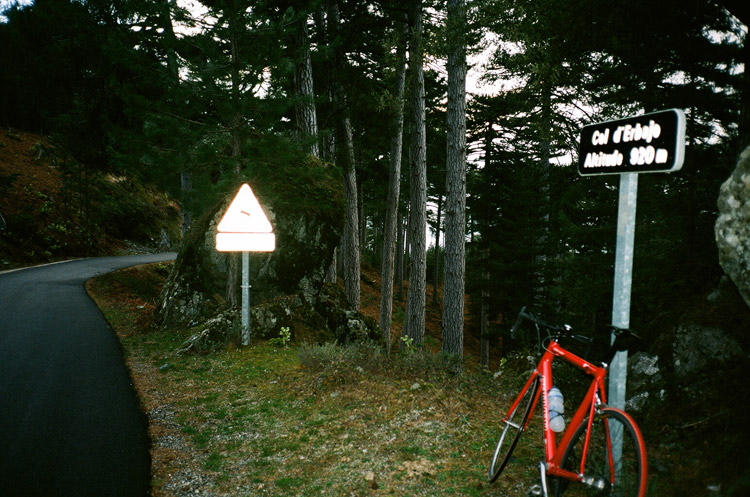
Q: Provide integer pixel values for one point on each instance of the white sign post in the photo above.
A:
(245, 228)
(642, 144)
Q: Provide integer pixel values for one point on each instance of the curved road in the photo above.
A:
(70, 421)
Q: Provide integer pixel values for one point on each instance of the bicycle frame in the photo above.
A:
(594, 397)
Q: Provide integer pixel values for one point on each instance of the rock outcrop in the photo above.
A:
(327, 318)
(733, 226)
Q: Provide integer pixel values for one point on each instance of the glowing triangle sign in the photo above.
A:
(245, 227)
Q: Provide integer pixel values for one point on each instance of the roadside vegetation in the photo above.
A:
(286, 419)
(53, 207)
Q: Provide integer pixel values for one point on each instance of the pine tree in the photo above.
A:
(455, 185)
(350, 254)
(414, 324)
(394, 185)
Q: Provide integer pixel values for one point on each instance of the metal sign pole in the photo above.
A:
(648, 143)
(623, 282)
(245, 298)
(618, 370)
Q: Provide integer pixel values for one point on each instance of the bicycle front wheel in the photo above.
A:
(512, 429)
(615, 463)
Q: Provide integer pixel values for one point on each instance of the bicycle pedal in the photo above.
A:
(535, 491)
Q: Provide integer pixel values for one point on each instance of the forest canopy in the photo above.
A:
(197, 95)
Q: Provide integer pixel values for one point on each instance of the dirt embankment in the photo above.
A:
(52, 207)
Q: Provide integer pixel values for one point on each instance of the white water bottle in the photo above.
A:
(556, 410)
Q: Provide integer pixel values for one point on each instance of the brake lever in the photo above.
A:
(515, 326)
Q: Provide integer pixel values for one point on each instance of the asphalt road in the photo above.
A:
(70, 421)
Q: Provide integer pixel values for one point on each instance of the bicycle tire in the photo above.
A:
(630, 481)
(512, 431)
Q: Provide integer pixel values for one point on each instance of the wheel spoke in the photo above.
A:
(612, 473)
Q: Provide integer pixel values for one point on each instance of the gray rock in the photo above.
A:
(732, 227)
(326, 319)
(644, 364)
(697, 349)
(216, 334)
(643, 372)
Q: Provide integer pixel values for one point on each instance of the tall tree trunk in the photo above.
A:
(436, 273)
(327, 147)
(327, 140)
(484, 344)
(484, 328)
(394, 185)
(542, 233)
(415, 301)
(307, 120)
(233, 270)
(186, 186)
(362, 230)
(350, 240)
(401, 255)
(455, 184)
(186, 177)
(346, 159)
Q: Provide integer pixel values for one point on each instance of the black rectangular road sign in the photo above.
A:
(647, 143)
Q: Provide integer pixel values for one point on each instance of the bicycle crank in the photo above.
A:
(598, 484)
(540, 490)
(535, 491)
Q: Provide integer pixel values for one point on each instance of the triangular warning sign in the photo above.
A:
(244, 215)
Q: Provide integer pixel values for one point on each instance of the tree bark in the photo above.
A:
(415, 301)
(362, 228)
(542, 233)
(345, 158)
(484, 344)
(186, 177)
(401, 255)
(390, 234)
(436, 273)
(186, 186)
(233, 271)
(350, 240)
(484, 328)
(455, 184)
(307, 120)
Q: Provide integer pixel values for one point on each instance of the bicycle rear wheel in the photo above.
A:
(605, 474)
(512, 430)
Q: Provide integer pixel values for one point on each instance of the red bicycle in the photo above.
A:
(600, 453)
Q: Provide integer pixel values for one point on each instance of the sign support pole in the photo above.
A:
(618, 370)
(245, 228)
(245, 298)
(623, 282)
(648, 143)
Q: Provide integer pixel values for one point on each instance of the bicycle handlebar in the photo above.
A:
(530, 317)
(565, 331)
(556, 331)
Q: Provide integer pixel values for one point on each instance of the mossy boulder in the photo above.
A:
(327, 318)
(733, 226)
(304, 203)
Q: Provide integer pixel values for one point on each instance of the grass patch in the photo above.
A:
(316, 420)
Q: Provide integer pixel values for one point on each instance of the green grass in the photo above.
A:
(259, 420)
(301, 420)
